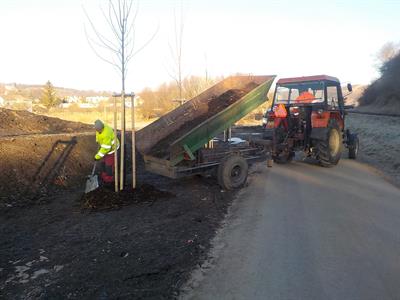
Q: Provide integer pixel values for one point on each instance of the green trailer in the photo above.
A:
(183, 143)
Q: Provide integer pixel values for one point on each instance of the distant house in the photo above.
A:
(10, 88)
(87, 105)
(2, 102)
(72, 99)
(96, 99)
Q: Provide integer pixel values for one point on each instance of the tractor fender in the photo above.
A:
(319, 133)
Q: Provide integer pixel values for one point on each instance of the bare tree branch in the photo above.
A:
(100, 37)
(121, 21)
(99, 56)
(177, 50)
(144, 45)
(110, 24)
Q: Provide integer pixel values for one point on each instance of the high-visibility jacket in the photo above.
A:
(105, 139)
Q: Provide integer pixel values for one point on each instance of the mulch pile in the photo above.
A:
(15, 122)
(105, 198)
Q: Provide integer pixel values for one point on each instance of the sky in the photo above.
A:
(45, 40)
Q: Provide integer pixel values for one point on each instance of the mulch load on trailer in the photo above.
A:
(215, 105)
(185, 129)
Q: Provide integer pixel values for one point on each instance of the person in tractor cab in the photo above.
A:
(106, 139)
(305, 96)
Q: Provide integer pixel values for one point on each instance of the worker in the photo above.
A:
(106, 139)
(305, 97)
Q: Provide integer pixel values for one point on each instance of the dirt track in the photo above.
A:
(300, 231)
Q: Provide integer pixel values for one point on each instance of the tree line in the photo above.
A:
(167, 96)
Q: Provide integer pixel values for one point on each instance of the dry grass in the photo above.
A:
(379, 141)
(90, 117)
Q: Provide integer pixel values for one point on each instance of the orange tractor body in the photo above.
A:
(308, 114)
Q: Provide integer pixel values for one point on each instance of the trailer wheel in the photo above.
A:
(232, 172)
(353, 144)
(330, 149)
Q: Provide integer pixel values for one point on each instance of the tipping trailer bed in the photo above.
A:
(173, 145)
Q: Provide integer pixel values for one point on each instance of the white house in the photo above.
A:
(96, 99)
(87, 105)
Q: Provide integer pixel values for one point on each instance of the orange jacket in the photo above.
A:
(305, 97)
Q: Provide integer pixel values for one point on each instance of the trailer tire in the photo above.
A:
(330, 149)
(232, 172)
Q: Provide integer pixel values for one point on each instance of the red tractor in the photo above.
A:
(308, 114)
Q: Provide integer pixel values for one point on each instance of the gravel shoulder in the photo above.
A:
(379, 142)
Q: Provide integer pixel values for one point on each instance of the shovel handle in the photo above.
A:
(94, 167)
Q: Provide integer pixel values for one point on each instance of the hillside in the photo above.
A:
(354, 97)
(35, 91)
(383, 95)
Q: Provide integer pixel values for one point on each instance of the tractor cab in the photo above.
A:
(318, 92)
(307, 114)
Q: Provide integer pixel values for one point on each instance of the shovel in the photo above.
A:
(92, 182)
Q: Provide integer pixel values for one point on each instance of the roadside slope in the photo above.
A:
(379, 142)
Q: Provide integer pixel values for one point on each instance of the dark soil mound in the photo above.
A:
(146, 250)
(105, 198)
(215, 105)
(384, 93)
(14, 122)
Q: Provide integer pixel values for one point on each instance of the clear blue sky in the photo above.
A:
(44, 40)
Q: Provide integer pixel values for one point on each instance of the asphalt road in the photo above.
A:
(300, 231)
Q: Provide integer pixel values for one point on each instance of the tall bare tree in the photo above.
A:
(176, 50)
(117, 46)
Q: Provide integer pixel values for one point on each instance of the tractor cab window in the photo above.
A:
(332, 96)
(297, 93)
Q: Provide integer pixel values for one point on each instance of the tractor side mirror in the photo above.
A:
(349, 87)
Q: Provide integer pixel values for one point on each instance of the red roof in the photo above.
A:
(307, 78)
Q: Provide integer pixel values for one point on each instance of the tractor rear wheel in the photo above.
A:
(329, 150)
(232, 172)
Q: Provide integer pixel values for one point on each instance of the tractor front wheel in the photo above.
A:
(329, 150)
(232, 172)
(353, 144)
